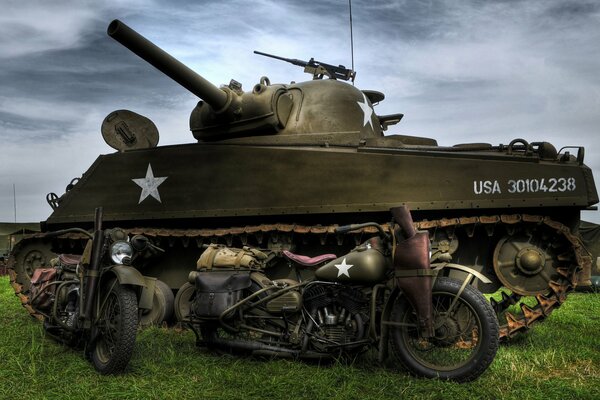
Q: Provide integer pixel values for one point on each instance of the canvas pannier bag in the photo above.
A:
(219, 256)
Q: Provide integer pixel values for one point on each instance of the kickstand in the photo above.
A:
(199, 341)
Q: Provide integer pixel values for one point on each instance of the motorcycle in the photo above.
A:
(93, 301)
(384, 293)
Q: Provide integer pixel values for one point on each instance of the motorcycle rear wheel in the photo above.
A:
(116, 330)
(466, 334)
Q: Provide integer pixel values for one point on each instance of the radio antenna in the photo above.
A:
(15, 201)
(351, 38)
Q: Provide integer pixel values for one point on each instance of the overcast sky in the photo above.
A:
(460, 71)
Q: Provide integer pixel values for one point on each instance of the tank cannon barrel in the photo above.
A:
(167, 64)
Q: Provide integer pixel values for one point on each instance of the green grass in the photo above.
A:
(559, 359)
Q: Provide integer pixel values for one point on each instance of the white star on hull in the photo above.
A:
(149, 185)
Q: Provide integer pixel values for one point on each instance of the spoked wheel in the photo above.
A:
(116, 329)
(466, 334)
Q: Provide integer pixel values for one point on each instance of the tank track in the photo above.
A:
(566, 277)
(567, 273)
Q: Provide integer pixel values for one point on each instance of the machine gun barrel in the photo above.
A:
(317, 68)
(290, 60)
(167, 64)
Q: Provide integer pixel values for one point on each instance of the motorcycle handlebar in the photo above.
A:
(141, 243)
(354, 227)
(70, 230)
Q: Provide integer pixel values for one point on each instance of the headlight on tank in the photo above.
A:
(121, 252)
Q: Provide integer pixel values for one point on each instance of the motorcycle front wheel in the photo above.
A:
(466, 334)
(116, 329)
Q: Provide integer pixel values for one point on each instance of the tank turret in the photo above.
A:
(314, 107)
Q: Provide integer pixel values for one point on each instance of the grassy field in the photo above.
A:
(559, 359)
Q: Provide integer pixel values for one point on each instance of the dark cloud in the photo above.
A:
(406, 21)
(36, 126)
(573, 12)
(81, 74)
(97, 74)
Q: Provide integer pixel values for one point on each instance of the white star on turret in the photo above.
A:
(367, 112)
(343, 268)
(149, 185)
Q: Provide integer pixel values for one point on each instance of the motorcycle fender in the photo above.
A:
(130, 276)
(462, 268)
(147, 293)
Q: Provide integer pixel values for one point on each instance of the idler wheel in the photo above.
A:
(523, 266)
(530, 261)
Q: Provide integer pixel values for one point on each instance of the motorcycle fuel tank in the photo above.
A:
(364, 264)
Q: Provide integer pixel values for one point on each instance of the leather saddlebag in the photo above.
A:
(216, 291)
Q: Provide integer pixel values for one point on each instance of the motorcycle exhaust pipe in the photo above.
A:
(253, 346)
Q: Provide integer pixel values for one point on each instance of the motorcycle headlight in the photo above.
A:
(121, 252)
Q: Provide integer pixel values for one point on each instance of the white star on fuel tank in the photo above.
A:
(343, 268)
(149, 185)
(367, 111)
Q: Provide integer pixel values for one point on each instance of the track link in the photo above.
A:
(565, 279)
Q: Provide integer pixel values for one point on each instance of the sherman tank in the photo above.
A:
(279, 166)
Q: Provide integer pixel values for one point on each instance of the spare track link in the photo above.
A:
(546, 303)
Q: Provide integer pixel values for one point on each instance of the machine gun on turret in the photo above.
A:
(318, 69)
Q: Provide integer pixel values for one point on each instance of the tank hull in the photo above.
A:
(209, 182)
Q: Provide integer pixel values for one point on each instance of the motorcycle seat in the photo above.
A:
(69, 259)
(308, 261)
